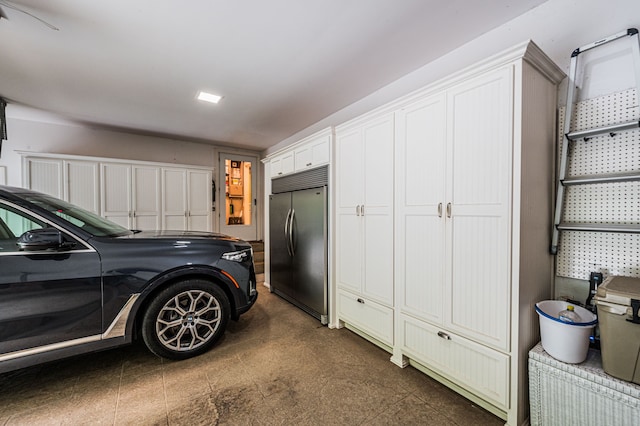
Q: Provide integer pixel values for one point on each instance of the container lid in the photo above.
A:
(619, 290)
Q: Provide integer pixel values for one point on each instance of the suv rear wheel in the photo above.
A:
(185, 319)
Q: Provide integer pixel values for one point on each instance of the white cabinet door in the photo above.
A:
(364, 184)
(82, 184)
(312, 154)
(479, 190)
(146, 198)
(130, 195)
(186, 199)
(420, 208)
(199, 200)
(349, 188)
(74, 181)
(377, 209)
(44, 175)
(116, 193)
(282, 164)
(174, 199)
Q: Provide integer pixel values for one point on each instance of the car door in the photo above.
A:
(48, 298)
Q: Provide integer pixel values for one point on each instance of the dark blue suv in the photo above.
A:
(72, 282)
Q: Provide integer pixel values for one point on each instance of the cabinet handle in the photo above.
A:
(360, 301)
(439, 209)
(308, 164)
(279, 173)
(444, 335)
(448, 209)
(362, 210)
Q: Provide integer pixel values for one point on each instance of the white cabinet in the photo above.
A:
(312, 154)
(364, 228)
(473, 185)
(136, 195)
(308, 153)
(82, 184)
(186, 199)
(44, 175)
(478, 195)
(282, 164)
(131, 195)
(75, 181)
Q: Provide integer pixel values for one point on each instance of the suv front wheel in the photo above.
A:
(185, 319)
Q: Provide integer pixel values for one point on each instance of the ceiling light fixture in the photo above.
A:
(209, 97)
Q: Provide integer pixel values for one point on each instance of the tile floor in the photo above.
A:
(276, 366)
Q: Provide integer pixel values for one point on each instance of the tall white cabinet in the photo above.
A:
(470, 167)
(364, 233)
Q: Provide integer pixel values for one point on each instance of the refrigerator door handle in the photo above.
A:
(291, 240)
(286, 232)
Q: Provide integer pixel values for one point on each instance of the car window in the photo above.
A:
(17, 222)
(14, 223)
(77, 216)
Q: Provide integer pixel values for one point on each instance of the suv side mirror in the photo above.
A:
(41, 239)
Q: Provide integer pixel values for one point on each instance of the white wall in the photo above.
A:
(60, 137)
(557, 26)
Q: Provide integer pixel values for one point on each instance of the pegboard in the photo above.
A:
(581, 252)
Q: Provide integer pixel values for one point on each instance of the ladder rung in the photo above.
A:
(602, 130)
(603, 178)
(599, 227)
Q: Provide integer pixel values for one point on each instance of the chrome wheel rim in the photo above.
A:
(188, 320)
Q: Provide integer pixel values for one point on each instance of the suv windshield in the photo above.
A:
(83, 219)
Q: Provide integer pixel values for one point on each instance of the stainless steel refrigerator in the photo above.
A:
(298, 242)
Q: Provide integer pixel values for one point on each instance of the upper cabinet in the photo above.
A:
(136, 195)
(311, 152)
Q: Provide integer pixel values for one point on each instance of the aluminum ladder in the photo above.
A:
(585, 135)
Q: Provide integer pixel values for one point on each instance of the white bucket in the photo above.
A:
(566, 342)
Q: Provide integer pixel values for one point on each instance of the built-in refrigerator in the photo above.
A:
(298, 241)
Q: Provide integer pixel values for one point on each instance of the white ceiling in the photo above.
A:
(281, 65)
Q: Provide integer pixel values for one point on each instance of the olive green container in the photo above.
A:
(619, 336)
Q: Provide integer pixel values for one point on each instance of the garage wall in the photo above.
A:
(557, 26)
(30, 130)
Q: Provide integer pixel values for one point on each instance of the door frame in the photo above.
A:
(250, 232)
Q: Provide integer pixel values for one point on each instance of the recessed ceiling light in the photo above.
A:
(209, 97)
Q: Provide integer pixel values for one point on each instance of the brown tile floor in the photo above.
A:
(276, 366)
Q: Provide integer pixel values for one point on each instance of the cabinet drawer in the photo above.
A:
(481, 370)
(370, 317)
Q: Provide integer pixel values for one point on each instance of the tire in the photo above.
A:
(185, 319)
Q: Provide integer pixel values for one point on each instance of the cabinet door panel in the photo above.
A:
(378, 164)
(146, 197)
(349, 251)
(116, 193)
(83, 184)
(473, 366)
(480, 138)
(480, 283)
(174, 199)
(45, 175)
(420, 259)
(199, 200)
(349, 170)
(420, 196)
(378, 260)
(370, 317)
